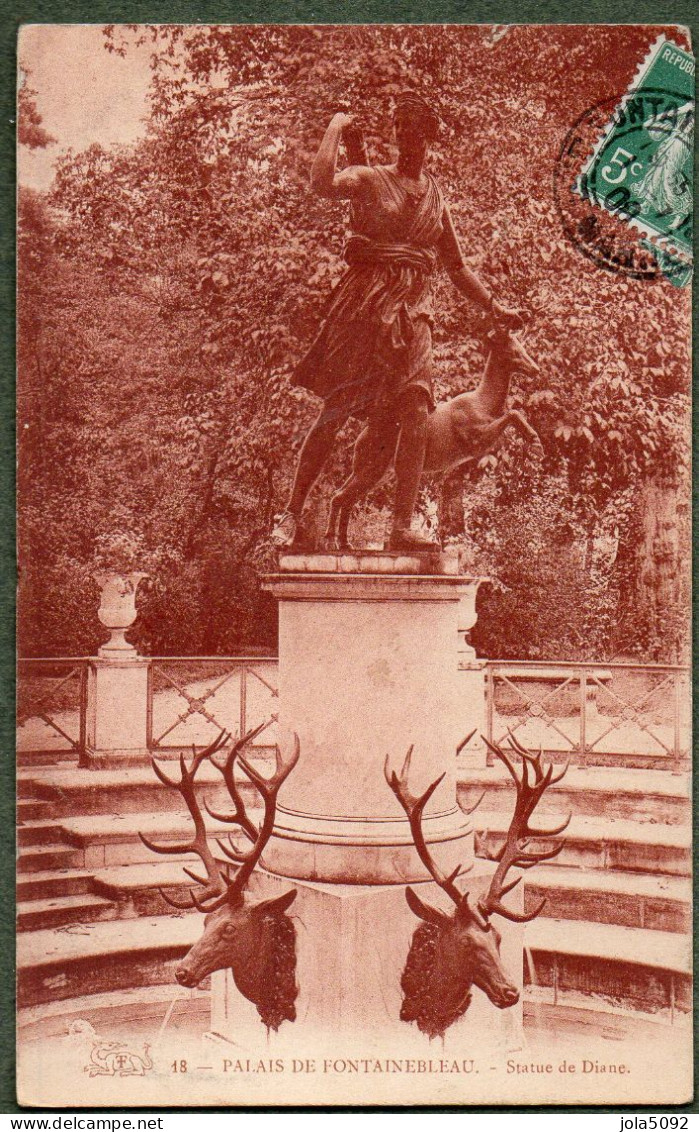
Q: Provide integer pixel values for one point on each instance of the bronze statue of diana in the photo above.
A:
(372, 357)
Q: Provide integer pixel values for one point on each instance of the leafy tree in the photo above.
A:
(172, 285)
(30, 131)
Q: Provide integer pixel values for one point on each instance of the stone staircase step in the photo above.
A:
(136, 888)
(594, 792)
(646, 969)
(666, 951)
(56, 911)
(40, 858)
(662, 903)
(32, 809)
(609, 843)
(113, 839)
(95, 958)
(129, 789)
(573, 1013)
(60, 882)
(29, 758)
(41, 832)
(25, 786)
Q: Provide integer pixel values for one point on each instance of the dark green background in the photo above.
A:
(178, 11)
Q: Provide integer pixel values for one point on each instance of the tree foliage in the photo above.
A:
(168, 289)
(30, 131)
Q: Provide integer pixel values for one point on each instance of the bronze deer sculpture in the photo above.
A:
(451, 953)
(461, 430)
(257, 941)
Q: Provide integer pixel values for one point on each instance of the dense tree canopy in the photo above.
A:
(168, 288)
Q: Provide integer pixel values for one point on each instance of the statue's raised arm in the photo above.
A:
(325, 180)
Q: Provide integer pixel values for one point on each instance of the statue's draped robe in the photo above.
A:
(376, 338)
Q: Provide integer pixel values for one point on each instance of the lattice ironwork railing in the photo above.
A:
(590, 711)
(52, 704)
(192, 699)
(583, 711)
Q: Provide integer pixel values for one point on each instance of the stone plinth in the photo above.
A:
(367, 668)
(352, 943)
(117, 711)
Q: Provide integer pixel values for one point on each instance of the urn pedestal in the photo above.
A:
(117, 712)
(117, 690)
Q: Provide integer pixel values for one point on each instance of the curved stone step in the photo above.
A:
(574, 1013)
(648, 970)
(53, 882)
(41, 858)
(32, 809)
(641, 795)
(95, 958)
(600, 843)
(113, 839)
(662, 903)
(55, 911)
(138, 1007)
(36, 832)
(136, 888)
(29, 758)
(128, 789)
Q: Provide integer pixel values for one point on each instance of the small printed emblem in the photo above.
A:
(115, 1059)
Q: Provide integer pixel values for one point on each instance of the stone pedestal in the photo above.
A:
(367, 669)
(117, 711)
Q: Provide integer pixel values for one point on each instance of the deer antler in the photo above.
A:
(227, 768)
(514, 852)
(414, 806)
(219, 889)
(215, 882)
(268, 788)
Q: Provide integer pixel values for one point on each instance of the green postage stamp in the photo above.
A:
(641, 167)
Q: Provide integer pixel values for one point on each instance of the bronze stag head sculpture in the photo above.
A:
(257, 941)
(451, 953)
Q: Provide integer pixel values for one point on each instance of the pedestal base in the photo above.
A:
(352, 943)
(367, 671)
(117, 711)
(363, 850)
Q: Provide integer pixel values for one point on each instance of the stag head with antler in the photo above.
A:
(257, 941)
(451, 953)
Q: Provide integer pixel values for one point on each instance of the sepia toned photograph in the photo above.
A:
(354, 550)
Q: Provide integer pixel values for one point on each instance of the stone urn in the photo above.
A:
(117, 611)
(467, 618)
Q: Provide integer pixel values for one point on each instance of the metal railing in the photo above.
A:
(52, 704)
(193, 699)
(591, 712)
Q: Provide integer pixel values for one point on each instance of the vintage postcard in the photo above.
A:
(354, 540)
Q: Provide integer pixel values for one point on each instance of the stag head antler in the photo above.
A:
(267, 788)
(414, 806)
(215, 882)
(515, 851)
(218, 886)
